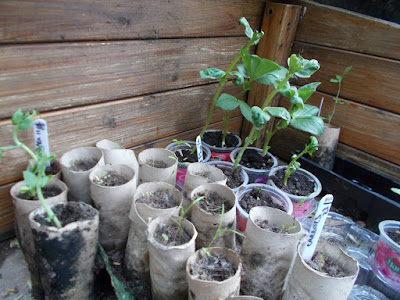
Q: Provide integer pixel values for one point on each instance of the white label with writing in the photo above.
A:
(316, 227)
(41, 138)
(199, 148)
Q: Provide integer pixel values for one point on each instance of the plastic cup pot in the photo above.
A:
(227, 166)
(200, 289)
(303, 206)
(272, 237)
(178, 149)
(256, 175)
(307, 284)
(221, 153)
(387, 256)
(276, 194)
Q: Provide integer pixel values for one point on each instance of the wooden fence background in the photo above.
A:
(130, 69)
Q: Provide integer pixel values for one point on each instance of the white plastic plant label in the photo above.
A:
(199, 148)
(41, 137)
(316, 228)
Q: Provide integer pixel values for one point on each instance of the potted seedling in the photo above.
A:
(236, 179)
(299, 115)
(258, 194)
(112, 188)
(325, 155)
(171, 242)
(214, 273)
(271, 241)
(387, 255)
(151, 200)
(222, 142)
(185, 154)
(35, 190)
(300, 185)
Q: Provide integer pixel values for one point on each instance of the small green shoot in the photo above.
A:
(179, 143)
(294, 164)
(337, 80)
(287, 228)
(165, 237)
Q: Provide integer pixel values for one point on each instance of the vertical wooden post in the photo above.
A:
(279, 25)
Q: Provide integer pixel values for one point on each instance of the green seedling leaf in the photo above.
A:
(307, 90)
(242, 70)
(346, 70)
(334, 80)
(206, 251)
(243, 21)
(30, 179)
(44, 180)
(260, 117)
(239, 78)
(278, 112)
(227, 102)
(247, 31)
(165, 237)
(309, 67)
(258, 68)
(306, 120)
(25, 124)
(294, 63)
(246, 111)
(212, 73)
(339, 78)
(17, 117)
(24, 189)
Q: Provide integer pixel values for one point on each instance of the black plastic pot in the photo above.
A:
(360, 192)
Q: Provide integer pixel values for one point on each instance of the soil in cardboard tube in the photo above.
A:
(53, 169)
(160, 199)
(159, 164)
(264, 224)
(323, 263)
(216, 267)
(257, 197)
(394, 234)
(214, 138)
(47, 193)
(297, 184)
(176, 236)
(111, 179)
(234, 179)
(82, 165)
(184, 156)
(212, 202)
(66, 214)
(253, 159)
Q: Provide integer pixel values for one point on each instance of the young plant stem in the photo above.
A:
(336, 102)
(288, 173)
(18, 144)
(48, 210)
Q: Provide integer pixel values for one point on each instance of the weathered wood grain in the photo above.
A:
(339, 28)
(52, 76)
(362, 127)
(137, 120)
(279, 25)
(66, 20)
(372, 80)
(6, 209)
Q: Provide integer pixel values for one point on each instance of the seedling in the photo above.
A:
(35, 178)
(165, 237)
(337, 80)
(294, 164)
(287, 228)
(178, 143)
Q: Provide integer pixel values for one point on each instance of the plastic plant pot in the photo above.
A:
(277, 195)
(227, 165)
(387, 255)
(256, 175)
(220, 153)
(182, 168)
(303, 206)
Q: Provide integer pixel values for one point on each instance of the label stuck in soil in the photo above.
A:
(41, 137)
(199, 149)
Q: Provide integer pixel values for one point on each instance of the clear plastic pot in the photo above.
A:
(227, 165)
(303, 206)
(387, 256)
(277, 195)
(219, 153)
(182, 168)
(256, 175)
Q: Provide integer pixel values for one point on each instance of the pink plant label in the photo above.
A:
(221, 156)
(180, 178)
(241, 221)
(299, 209)
(387, 263)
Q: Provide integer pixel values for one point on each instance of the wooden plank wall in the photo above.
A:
(370, 122)
(112, 69)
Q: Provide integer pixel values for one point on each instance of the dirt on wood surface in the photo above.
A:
(159, 164)
(394, 234)
(212, 202)
(297, 184)
(160, 199)
(171, 235)
(68, 213)
(110, 179)
(234, 179)
(47, 193)
(323, 263)
(214, 138)
(258, 197)
(82, 165)
(214, 267)
(253, 159)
